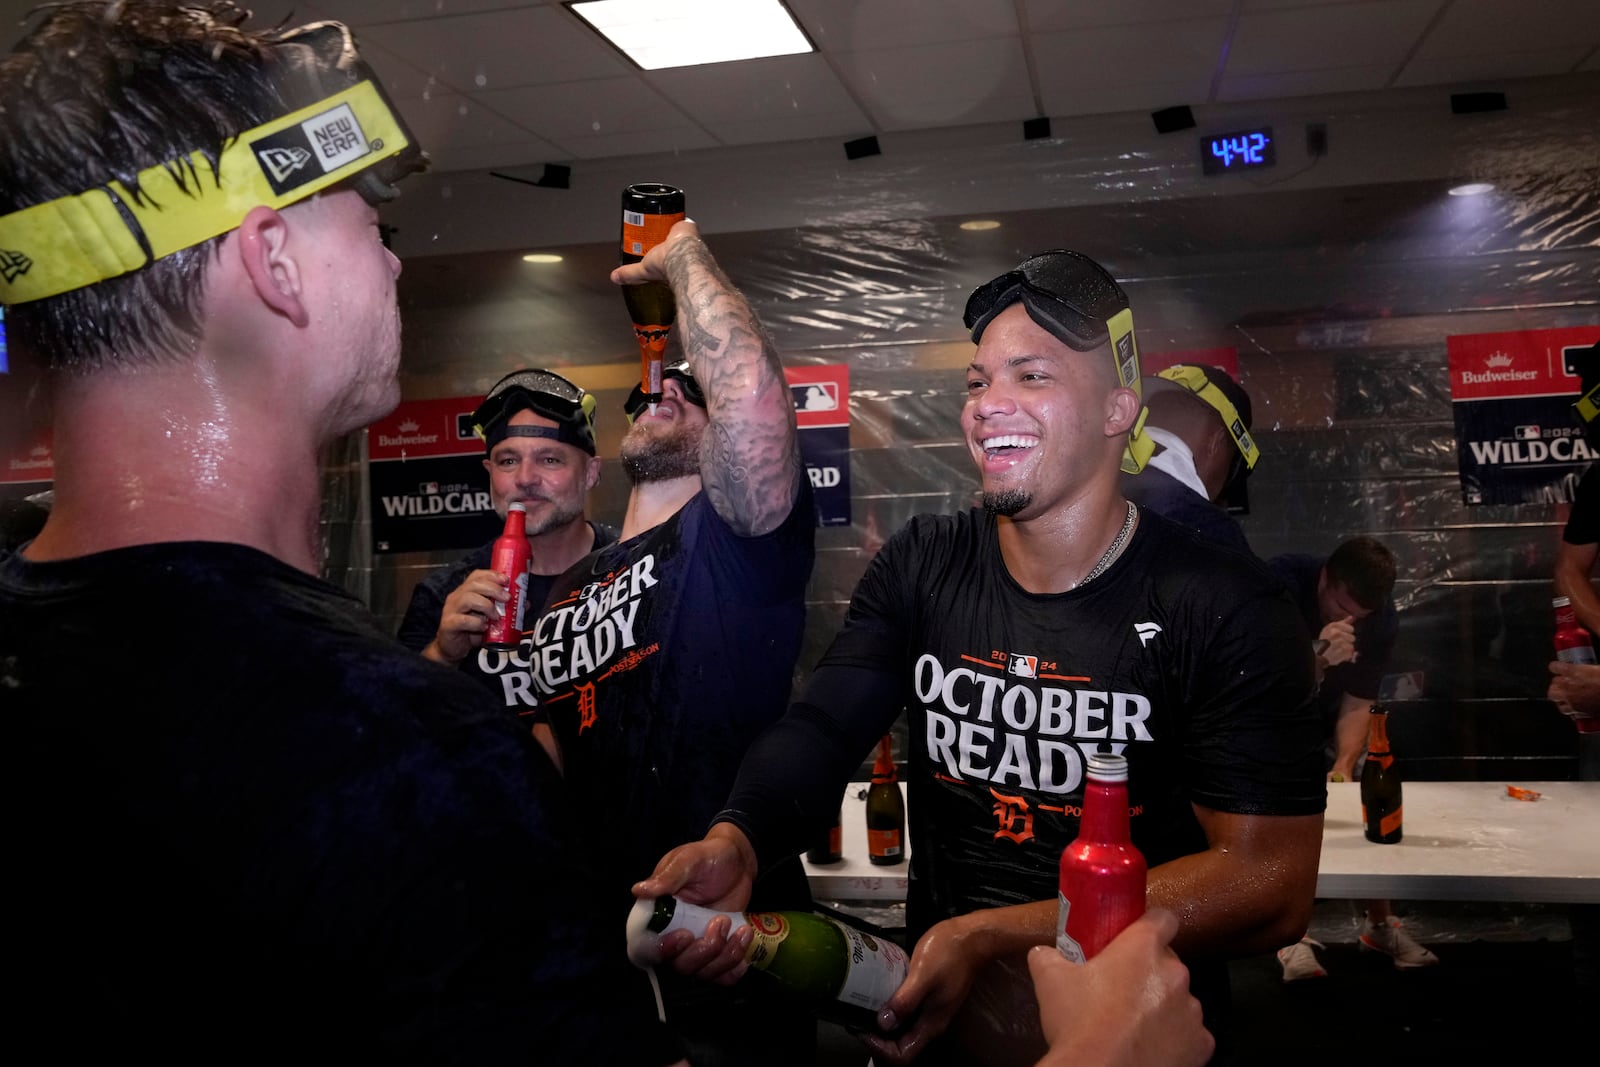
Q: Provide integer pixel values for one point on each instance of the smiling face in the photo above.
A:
(1042, 421)
(551, 477)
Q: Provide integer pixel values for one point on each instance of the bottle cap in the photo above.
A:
(1106, 767)
(516, 505)
(1560, 602)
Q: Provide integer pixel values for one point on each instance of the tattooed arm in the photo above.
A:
(750, 462)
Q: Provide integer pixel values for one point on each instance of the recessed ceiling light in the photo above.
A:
(541, 257)
(1473, 189)
(657, 34)
(980, 224)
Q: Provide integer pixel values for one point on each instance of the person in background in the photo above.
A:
(1347, 600)
(662, 656)
(1200, 422)
(1055, 620)
(538, 434)
(1129, 1006)
(1575, 687)
(22, 518)
(244, 823)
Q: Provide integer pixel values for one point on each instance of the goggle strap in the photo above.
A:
(80, 240)
(1197, 383)
(1588, 404)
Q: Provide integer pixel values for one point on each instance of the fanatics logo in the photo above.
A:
(1146, 630)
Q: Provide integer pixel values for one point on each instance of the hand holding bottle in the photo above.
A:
(469, 609)
(1130, 1006)
(653, 267)
(716, 872)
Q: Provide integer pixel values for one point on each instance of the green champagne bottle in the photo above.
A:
(839, 971)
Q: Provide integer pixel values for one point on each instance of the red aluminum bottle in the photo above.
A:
(1574, 645)
(511, 557)
(1102, 873)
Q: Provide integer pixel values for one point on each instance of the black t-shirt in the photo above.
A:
(1583, 523)
(659, 660)
(1165, 495)
(420, 624)
(1375, 636)
(245, 824)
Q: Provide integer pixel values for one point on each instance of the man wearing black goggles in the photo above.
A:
(538, 434)
(661, 657)
(1020, 636)
(679, 372)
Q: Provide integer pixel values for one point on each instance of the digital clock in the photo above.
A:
(1242, 150)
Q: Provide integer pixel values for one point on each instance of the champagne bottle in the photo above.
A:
(510, 556)
(886, 810)
(1380, 783)
(649, 210)
(1102, 878)
(840, 971)
(1574, 645)
(829, 846)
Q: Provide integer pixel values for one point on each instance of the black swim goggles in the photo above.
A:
(1066, 293)
(544, 393)
(680, 371)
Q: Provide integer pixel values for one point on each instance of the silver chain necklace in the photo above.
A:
(1114, 551)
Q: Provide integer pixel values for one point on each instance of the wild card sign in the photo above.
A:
(822, 409)
(1518, 440)
(429, 489)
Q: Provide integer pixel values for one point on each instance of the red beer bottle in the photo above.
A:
(511, 557)
(1574, 645)
(1102, 873)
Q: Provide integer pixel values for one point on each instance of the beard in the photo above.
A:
(1006, 502)
(656, 453)
(559, 515)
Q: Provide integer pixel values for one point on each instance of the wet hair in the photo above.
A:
(1365, 568)
(98, 92)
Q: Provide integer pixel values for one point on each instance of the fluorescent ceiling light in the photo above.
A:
(541, 257)
(1472, 189)
(980, 224)
(683, 33)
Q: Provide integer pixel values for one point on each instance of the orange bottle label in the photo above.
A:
(1390, 822)
(883, 842)
(641, 232)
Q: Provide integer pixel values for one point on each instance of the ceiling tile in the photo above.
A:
(371, 12)
(1328, 37)
(503, 49)
(1293, 83)
(445, 121)
(584, 109)
(940, 84)
(605, 145)
(781, 89)
(1452, 69)
(1046, 15)
(501, 156)
(1172, 57)
(1491, 27)
(851, 25)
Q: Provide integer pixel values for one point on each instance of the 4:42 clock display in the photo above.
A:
(1240, 150)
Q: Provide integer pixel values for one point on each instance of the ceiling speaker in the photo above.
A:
(1173, 119)
(1473, 103)
(861, 148)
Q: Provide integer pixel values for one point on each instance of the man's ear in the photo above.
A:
(263, 249)
(1122, 410)
(591, 477)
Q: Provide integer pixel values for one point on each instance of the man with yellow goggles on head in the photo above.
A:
(1199, 422)
(223, 761)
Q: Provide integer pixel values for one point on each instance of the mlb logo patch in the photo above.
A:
(1023, 666)
(816, 396)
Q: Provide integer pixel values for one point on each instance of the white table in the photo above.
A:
(1463, 841)
(1468, 841)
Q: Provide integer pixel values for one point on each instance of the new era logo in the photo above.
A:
(320, 145)
(282, 162)
(13, 265)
